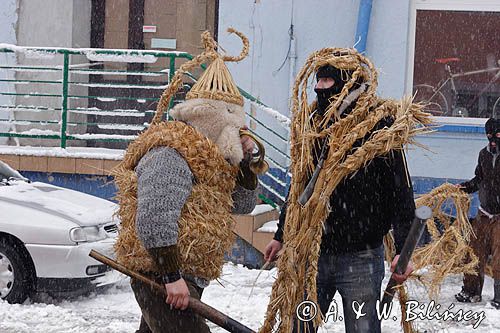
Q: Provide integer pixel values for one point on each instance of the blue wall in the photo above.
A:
(99, 186)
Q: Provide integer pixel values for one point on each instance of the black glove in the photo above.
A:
(246, 178)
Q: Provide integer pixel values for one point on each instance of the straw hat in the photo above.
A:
(215, 83)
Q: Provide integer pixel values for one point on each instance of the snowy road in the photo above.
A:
(115, 311)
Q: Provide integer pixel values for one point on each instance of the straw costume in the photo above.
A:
(178, 184)
(374, 129)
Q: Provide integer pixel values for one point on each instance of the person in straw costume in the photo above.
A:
(349, 186)
(486, 225)
(178, 184)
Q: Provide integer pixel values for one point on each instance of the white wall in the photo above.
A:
(54, 23)
(448, 155)
(387, 45)
(8, 21)
(317, 24)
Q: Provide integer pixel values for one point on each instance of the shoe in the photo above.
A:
(496, 304)
(465, 297)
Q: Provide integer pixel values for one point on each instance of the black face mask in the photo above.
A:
(492, 128)
(324, 95)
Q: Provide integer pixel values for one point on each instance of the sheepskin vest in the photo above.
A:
(205, 224)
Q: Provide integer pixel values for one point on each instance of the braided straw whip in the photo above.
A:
(225, 83)
(298, 264)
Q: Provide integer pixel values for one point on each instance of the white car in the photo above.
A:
(46, 234)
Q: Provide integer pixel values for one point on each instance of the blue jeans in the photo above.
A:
(357, 277)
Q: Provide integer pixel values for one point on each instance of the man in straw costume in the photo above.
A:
(349, 186)
(178, 184)
(486, 225)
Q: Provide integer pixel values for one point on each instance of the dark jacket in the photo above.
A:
(366, 204)
(486, 181)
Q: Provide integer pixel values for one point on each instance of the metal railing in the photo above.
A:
(68, 94)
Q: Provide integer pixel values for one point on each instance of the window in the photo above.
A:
(456, 66)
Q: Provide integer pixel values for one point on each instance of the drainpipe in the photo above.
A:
(292, 58)
(365, 10)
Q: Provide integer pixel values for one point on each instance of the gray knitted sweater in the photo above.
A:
(164, 183)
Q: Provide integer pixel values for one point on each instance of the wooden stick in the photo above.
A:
(204, 310)
(422, 214)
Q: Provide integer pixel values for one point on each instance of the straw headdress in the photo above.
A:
(215, 83)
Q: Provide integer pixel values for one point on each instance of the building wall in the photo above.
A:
(8, 22)
(63, 23)
(267, 24)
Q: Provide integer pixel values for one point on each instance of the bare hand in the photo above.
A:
(178, 294)
(400, 278)
(272, 249)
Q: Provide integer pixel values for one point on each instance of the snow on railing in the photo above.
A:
(114, 55)
(283, 120)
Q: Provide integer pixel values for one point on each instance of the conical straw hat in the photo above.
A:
(215, 83)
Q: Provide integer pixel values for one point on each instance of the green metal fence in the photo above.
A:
(77, 95)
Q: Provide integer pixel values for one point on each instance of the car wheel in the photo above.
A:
(16, 271)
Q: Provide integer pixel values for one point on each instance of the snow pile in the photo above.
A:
(148, 56)
(240, 295)
(260, 209)
(87, 136)
(271, 226)
(74, 152)
(36, 131)
(93, 56)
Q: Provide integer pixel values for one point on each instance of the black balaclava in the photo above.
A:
(324, 95)
(492, 127)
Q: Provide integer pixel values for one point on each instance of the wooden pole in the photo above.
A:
(204, 310)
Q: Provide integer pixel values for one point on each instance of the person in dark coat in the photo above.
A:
(486, 225)
(363, 208)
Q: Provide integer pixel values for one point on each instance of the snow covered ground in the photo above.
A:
(115, 310)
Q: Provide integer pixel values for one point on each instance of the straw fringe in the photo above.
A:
(448, 252)
(408, 326)
(297, 266)
(206, 223)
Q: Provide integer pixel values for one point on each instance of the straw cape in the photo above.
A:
(298, 263)
(205, 224)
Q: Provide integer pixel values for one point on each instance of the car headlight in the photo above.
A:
(87, 234)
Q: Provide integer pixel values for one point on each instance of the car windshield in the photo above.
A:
(6, 172)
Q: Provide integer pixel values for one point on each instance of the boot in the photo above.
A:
(496, 298)
(465, 297)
